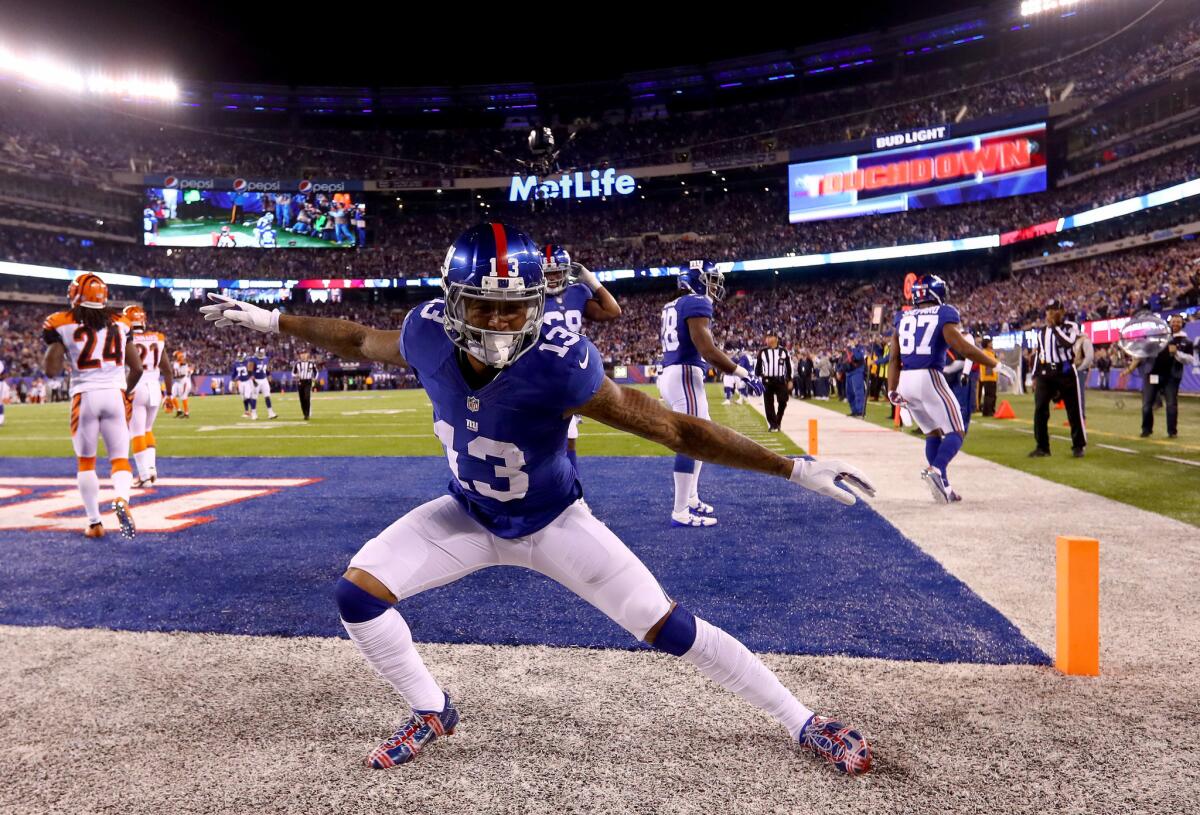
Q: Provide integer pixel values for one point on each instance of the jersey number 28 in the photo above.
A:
(670, 329)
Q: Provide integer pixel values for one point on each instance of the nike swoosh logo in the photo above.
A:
(586, 356)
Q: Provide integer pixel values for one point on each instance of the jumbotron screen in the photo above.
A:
(255, 220)
(933, 174)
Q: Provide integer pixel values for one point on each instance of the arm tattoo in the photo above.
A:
(349, 340)
(634, 412)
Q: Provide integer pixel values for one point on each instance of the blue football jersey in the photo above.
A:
(567, 308)
(919, 330)
(240, 370)
(678, 348)
(505, 442)
(260, 367)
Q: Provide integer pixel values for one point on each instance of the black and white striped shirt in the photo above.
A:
(773, 363)
(304, 369)
(1056, 344)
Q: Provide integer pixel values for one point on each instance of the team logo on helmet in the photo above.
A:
(501, 266)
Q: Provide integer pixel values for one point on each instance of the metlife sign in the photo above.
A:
(580, 184)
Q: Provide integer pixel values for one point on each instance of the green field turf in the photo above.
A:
(383, 423)
(1137, 473)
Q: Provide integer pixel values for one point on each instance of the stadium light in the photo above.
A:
(48, 72)
(1032, 7)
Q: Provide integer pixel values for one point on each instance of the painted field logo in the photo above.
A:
(53, 504)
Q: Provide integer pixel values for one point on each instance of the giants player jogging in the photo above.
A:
(95, 342)
(916, 381)
(147, 396)
(573, 294)
(260, 383)
(240, 373)
(687, 343)
(503, 386)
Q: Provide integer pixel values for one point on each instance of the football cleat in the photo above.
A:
(423, 727)
(954, 497)
(937, 487)
(698, 507)
(686, 518)
(95, 530)
(148, 481)
(839, 744)
(272, 415)
(727, 402)
(124, 518)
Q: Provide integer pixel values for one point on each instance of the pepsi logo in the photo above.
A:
(305, 185)
(239, 184)
(170, 181)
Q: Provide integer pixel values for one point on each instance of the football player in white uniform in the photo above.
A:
(147, 396)
(182, 373)
(94, 341)
(264, 231)
(225, 237)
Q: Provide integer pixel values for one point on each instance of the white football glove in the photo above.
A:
(831, 478)
(226, 311)
(586, 276)
(896, 399)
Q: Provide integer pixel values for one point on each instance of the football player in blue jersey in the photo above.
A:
(688, 344)
(574, 294)
(240, 374)
(260, 383)
(733, 384)
(264, 231)
(504, 384)
(916, 379)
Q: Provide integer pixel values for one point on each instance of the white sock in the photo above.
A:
(683, 491)
(386, 643)
(152, 458)
(695, 496)
(142, 460)
(730, 664)
(89, 489)
(122, 481)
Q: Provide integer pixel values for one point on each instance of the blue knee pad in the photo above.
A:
(356, 605)
(677, 633)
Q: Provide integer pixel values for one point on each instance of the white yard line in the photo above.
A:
(1179, 460)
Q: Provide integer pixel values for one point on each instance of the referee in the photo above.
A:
(1055, 378)
(775, 367)
(305, 371)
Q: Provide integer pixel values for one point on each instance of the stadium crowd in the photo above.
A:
(92, 141)
(819, 313)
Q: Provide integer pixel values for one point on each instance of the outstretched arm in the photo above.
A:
(347, 339)
(631, 410)
(963, 348)
(702, 338)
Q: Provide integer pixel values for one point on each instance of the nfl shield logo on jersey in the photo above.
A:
(473, 404)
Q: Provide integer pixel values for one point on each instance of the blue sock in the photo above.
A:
(573, 458)
(932, 443)
(729, 393)
(253, 404)
(268, 398)
(950, 446)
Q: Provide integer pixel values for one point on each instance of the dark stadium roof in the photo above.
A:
(346, 43)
